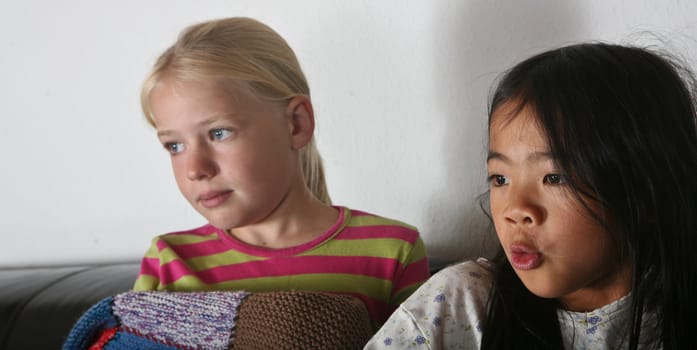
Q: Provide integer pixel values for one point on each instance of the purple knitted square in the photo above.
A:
(190, 320)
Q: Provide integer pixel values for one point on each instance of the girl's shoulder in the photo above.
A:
(479, 265)
(469, 275)
(464, 285)
(445, 312)
(363, 218)
(468, 281)
(364, 225)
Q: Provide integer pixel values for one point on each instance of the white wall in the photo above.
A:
(399, 88)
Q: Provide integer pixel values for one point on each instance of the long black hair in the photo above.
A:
(621, 122)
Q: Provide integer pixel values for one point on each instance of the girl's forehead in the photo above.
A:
(178, 83)
(197, 90)
(513, 114)
(176, 103)
(513, 129)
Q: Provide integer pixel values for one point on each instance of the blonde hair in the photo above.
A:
(240, 50)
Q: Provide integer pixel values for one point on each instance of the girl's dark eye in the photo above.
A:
(554, 179)
(498, 180)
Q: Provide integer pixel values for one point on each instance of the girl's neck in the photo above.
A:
(297, 220)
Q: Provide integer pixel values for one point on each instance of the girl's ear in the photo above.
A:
(301, 121)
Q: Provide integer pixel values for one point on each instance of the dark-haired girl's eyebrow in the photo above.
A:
(498, 156)
(532, 157)
(540, 156)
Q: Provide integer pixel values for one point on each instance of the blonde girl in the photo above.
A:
(232, 107)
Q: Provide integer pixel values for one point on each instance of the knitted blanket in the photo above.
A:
(222, 320)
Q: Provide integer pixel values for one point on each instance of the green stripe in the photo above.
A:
(145, 283)
(390, 248)
(184, 239)
(418, 253)
(167, 255)
(204, 262)
(152, 251)
(186, 283)
(372, 247)
(225, 258)
(360, 221)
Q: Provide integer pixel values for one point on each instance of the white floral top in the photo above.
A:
(448, 310)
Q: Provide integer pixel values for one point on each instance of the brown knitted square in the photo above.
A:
(301, 320)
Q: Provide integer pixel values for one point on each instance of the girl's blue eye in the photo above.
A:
(498, 180)
(554, 179)
(174, 147)
(220, 134)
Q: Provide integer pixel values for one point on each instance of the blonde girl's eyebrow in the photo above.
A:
(206, 122)
(236, 117)
(161, 133)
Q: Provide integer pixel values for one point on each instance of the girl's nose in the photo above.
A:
(201, 164)
(524, 208)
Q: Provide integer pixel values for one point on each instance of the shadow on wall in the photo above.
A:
(475, 42)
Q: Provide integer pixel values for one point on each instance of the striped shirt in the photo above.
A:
(378, 260)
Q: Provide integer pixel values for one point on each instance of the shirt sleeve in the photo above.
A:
(414, 274)
(148, 276)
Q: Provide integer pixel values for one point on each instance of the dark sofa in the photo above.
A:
(39, 305)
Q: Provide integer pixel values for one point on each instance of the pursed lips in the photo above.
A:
(524, 256)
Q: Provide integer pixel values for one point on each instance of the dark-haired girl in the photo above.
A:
(591, 164)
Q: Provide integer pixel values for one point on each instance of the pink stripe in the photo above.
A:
(355, 212)
(379, 311)
(382, 268)
(150, 267)
(413, 273)
(372, 232)
(174, 270)
(161, 245)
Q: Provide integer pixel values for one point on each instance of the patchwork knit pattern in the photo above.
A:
(233, 320)
(185, 319)
(159, 320)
